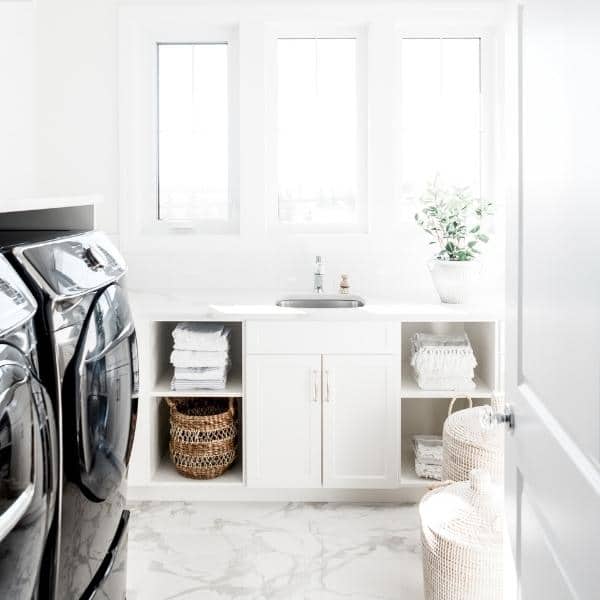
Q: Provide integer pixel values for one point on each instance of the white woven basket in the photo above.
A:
(461, 534)
(468, 444)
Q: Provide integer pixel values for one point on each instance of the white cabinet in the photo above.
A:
(336, 411)
(283, 425)
(327, 407)
(361, 421)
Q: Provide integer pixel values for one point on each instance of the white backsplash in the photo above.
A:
(385, 265)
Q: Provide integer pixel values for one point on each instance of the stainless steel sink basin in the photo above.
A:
(321, 302)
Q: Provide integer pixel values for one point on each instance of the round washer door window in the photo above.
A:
(105, 378)
(23, 495)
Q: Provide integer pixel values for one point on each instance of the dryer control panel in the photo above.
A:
(72, 266)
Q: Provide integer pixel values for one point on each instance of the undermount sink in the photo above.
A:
(321, 302)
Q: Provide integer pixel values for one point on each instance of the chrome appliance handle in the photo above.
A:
(15, 512)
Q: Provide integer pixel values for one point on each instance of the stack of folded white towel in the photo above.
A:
(443, 362)
(428, 456)
(200, 356)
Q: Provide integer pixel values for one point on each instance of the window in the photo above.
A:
(317, 131)
(193, 132)
(441, 113)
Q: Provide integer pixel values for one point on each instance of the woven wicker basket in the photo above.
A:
(461, 533)
(203, 436)
(468, 444)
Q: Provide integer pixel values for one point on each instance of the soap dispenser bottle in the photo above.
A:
(344, 285)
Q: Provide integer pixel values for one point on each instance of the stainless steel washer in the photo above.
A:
(88, 332)
(28, 447)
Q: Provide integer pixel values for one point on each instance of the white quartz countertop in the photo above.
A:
(245, 306)
(46, 202)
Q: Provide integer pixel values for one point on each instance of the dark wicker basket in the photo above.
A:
(203, 436)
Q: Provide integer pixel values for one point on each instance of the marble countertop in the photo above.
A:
(247, 305)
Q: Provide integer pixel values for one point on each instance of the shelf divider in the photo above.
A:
(233, 389)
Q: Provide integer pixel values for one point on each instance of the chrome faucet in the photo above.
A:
(318, 276)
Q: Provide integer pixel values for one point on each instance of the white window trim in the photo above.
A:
(289, 30)
(139, 34)
(252, 28)
(487, 39)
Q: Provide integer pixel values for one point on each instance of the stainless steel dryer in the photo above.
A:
(90, 339)
(28, 452)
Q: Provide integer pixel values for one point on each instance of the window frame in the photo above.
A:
(138, 124)
(249, 34)
(202, 35)
(487, 74)
(312, 31)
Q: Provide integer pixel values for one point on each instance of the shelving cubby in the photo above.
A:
(153, 477)
(484, 340)
(424, 411)
(424, 416)
(161, 370)
(161, 470)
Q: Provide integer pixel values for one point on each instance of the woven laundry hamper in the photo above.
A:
(461, 533)
(469, 443)
(203, 436)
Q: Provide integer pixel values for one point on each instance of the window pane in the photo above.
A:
(193, 136)
(441, 113)
(317, 154)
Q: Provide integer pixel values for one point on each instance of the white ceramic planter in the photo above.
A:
(454, 280)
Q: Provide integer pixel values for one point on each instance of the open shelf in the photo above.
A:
(233, 388)
(166, 474)
(425, 415)
(162, 470)
(410, 389)
(482, 336)
(408, 475)
(161, 345)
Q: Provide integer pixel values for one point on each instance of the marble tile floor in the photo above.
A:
(278, 551)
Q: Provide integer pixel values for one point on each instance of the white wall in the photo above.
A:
(78, 151)
(76, 116)
(16, 100)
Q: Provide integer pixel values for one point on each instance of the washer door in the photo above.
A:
(105, 382)
(27, 477)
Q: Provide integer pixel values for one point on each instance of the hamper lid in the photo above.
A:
(468, 513)
(467, 426)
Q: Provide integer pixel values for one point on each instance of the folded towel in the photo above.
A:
(212, 337)
(451, 384)
(180, 386)
(428, 471)
(450, 355)
(201, 374)
(434, 340)
(428, 449)
(193, 358)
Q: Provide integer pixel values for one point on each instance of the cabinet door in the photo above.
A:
(361, 421)
(283, 421)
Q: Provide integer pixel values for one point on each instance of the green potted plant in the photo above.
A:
(455, 220)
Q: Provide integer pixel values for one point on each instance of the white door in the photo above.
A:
(283, 411)
(553, 320)
(361, 421)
